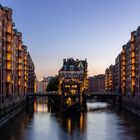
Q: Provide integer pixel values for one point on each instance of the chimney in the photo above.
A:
(64, 61)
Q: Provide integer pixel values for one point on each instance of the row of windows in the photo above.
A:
(68, 86)
(74, 75)
(71, 67)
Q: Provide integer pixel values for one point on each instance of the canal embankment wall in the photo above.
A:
(9, 107)
(132, 104)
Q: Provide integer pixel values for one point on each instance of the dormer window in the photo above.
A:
(65, 67)
(80, 66)
(71, 67)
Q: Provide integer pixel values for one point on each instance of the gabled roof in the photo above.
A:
(73, 65)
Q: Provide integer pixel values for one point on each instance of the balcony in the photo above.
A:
(25, 78)
(20, 61)
(8, 37)
(123, 78)
(25, 67)
(123, 73)
(132, 43)
(8, 66)
(19, 74)
(123, 63)
(8, 49)
(25, 73)
(133, 55)
(25, 62)
(8, 57)
(133, 82)
(133, 61)
(25, 84)
(9, 32)
(20, 67)
(133, 68)
(20, 48)
(133, 74)
(19, 82)
(123, 58)
(25, 58)
(8, 79)
(8, 41)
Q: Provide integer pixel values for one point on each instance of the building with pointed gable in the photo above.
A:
(73, 79)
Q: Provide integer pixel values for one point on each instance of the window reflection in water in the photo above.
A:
(70, 122)
(40, 105)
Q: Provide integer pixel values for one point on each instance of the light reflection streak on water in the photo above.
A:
(97, 124)
(40, 106)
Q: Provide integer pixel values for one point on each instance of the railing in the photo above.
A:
(8, 100)
(104, 93)
(43, 93)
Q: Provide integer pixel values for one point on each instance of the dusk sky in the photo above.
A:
(57, 29)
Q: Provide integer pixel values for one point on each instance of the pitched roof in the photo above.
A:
(73, 65)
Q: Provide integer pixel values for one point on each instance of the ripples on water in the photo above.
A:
(100, 122)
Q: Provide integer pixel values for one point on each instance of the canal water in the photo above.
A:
(100, 122)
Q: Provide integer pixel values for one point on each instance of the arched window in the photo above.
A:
(69, 75)
(73, 75)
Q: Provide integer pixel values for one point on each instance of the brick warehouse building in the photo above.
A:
(17, 74)
(73, 79)
(96, 83)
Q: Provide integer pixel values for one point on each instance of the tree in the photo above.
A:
(53, 84)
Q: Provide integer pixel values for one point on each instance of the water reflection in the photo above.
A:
(15, 128)
(100, 122)
(40, 105)
(97, 106)
(70, 122)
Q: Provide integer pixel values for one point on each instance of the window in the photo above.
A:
(70, 75)
(65, 67)
(3, 23)
(71, 67)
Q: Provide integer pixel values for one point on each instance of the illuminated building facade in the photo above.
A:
(110, 79)
(138, 62)
(73, 79)
(31, 74)
(117, 74)
(123, 70)
(16, 68)
(127, 67)
(5, 49)
(96, 83)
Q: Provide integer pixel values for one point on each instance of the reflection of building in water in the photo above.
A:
(82, 122)
(41, 105)
(70, 123)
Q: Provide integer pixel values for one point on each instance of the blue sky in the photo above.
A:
(57, 29)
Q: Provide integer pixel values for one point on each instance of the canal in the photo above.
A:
(100, 122)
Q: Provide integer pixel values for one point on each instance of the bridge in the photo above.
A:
(53, 93)
(102, 94)
(90, 94)
(108, 96)
(56, 101)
